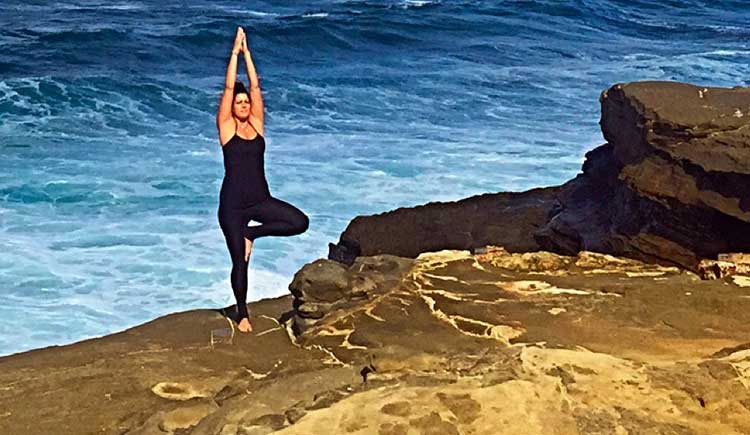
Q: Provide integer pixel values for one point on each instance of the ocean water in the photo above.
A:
(110, 165)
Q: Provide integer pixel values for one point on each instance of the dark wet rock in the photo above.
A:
(345, 251)
(671, 185)
(325, 285)
(320, 280)
(507, 219)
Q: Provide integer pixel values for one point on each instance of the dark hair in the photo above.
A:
(239, 88)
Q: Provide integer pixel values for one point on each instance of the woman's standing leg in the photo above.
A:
(277, 218)
(232, 224)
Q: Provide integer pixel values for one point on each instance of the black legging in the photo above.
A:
(277, 218)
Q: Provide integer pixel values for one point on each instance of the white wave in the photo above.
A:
(315, 15)
(726, 29)
(729, 53)
(104, 6)
(122, 7)
(262, 14)
(234, 10)
(199, 153)
(418, 3)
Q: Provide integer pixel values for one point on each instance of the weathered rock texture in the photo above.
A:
(323, 286)
(507, 219)
(447, 343)
(671, 185)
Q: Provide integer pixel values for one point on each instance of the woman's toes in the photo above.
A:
(245, 325)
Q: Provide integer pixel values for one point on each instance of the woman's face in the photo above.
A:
(241, 106)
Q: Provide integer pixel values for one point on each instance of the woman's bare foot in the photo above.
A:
(248, 248)
(245, 325)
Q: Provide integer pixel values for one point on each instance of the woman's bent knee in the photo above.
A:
(303, 223)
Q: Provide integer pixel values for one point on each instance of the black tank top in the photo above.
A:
(244, 176)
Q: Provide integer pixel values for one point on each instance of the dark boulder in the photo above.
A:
(324, 286)
(509, 219)
(672, 184)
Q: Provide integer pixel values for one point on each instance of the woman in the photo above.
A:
(244, 191)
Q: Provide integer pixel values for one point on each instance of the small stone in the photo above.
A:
(557, 310)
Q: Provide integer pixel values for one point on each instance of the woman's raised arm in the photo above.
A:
(256, 97)
(224, 113)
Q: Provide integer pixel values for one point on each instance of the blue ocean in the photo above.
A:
(111, 165)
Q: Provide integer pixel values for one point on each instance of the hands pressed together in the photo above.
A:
(240, 42)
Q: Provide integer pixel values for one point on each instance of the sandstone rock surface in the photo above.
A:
(448, 342)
